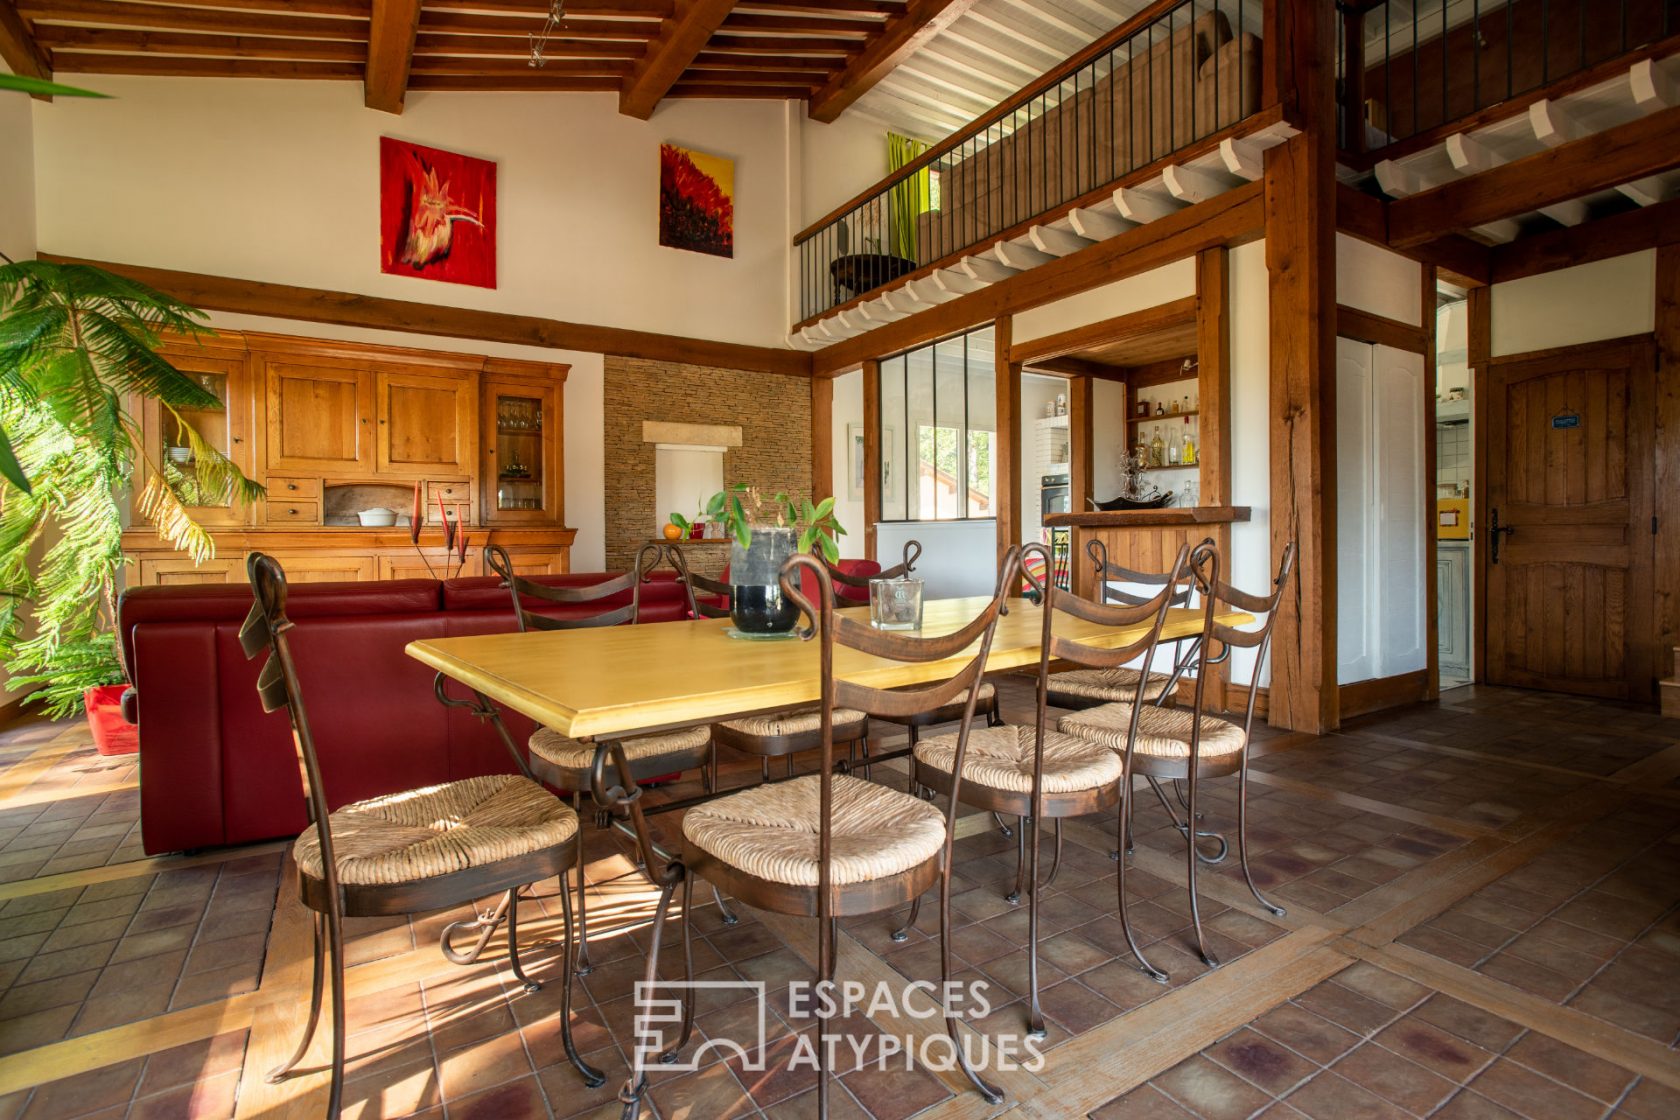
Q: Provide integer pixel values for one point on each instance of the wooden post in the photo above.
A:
(822, 438)
(1431, 532)
(1301, 257)
(1353, 79)
(1007, 455)
(871, 453)
(1213, 376)
(1082, 440)
(1478, 351)
(1667, 543)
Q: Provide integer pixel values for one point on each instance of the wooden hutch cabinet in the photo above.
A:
(333, 428)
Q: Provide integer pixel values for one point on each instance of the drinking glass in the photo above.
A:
(895, 604)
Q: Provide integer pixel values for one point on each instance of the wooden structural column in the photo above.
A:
(1301, 258)
(1667, 544)
(1006, 460)
(871, 453)
(1081, 393)
(822, 438)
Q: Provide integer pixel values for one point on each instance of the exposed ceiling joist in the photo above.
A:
(18, 46)
(390, 53)
(903, 34)
(681, 37)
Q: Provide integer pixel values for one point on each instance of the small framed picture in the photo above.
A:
(854, 462)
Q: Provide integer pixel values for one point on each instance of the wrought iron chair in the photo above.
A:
(1079, 689)
(564, 763)
(1037, 774)
(1186, 743)
(826, 845)
(856, 588)
(410, 852)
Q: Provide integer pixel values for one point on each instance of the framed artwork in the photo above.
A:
(696, 201)
(437, 214)
(854, 462)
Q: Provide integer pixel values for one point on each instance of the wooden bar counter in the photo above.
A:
(1144, 540)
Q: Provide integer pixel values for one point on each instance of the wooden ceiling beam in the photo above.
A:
(165, 66)
(800, 25)
(533, 81)
(1628, 232)
(519, 68)
(903, 35)
(355, 9)
(783, 44)
(109, 40)
(18, 47)
(793, 64)
(645, 9)
(686, 89)
(390, 53)
(104, 13)
(680, 38)
(430, 44)
(523, 27)
(826, 7)
(1600, 161)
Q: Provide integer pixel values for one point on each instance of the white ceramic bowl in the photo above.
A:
(377, 518)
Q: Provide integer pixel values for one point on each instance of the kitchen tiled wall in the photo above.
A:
(1452, 456)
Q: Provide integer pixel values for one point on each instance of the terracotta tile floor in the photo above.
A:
(1483, 921)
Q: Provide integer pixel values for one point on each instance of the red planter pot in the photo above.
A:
(112, 734)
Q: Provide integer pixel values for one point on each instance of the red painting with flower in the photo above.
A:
(696, 201)
(437, 214)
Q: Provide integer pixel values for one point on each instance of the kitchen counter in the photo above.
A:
(1145, 540)
(1149, 518)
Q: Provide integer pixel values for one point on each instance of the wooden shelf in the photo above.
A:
(1163, 417)
(505, 431)
(1176, 467)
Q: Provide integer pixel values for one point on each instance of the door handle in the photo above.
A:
(1495, 531)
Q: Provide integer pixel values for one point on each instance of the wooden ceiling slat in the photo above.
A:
(680, 38)
(507, 45)
(534, 82)
(164, 66)
(104, 13)
(641, 9)
(186, 43)
(391, 33)
(350, 9)
(814, 68)
(746, 78)
(904, 34)
(783, 44)
(825, 7)
(18, 47)
(801, 25)
(476, 23)
(517, 68)
(762, 93)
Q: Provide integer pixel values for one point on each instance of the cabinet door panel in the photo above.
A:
(540, 563)
(228, 430)
(176, 571)
(318, 418)
(312, 568)
(521, 422)
(425, 423)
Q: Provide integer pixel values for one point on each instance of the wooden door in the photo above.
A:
(425, 422)
(1570, 446)
(228, 430)
(319, 418)
(521, 432)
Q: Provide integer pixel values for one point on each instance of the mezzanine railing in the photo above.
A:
(1411, 67)
(1176, 72)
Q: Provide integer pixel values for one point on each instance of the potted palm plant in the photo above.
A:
(77, 345)
(763, 535)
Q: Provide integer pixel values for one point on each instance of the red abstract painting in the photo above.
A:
(696, 201)
(437, 214)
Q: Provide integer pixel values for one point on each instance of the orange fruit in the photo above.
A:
(672, 532)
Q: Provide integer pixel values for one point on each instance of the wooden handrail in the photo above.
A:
(1045, 82)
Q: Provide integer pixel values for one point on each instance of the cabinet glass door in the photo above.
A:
(519, 452)
(211, 426)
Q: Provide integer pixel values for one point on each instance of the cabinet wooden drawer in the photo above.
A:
(285, 511)
(452, 494)
(283, 488)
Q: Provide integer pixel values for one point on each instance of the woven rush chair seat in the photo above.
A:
(1002, 758)
(556, 749)
(1109, 685)
(772, 832)
(439, 830)
(799, 721)
(1162, 732)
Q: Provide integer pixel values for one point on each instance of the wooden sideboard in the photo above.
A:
(332, 428)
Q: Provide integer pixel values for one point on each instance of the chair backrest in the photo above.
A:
(1109, 573)
(266, 630)
(648, 558)
(721, 595)
(912, 553)
(1220, 595)
(837, 630)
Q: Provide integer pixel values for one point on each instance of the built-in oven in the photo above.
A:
(1054, 494)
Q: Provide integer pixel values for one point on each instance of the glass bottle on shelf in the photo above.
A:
(1160, 408)
(1157, 450)
(1175, 451)
(519, 453)
(1189, 442)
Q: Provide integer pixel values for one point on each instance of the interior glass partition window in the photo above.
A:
(939, 431)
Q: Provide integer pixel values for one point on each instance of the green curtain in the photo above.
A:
(907, 199)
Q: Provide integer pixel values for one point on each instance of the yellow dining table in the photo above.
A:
(613, 681)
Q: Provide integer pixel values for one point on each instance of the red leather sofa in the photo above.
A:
(216, 769)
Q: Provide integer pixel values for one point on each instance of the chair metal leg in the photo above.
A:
(592, 1077)
(280, 1072)
(584, 968)
(1194, 860)
(1035, 1015)
(1183, 826)
(335, 942)
(902, 933)
(1242, 837)
(729, 916)
(991, 1093)
(825, 975)
(1014, 896)
(1124, 838)
(631, 1095)
(485, 924)
(1056, 860)
(689, 998)
(512, 902)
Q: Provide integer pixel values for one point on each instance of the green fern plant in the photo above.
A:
(77, 344)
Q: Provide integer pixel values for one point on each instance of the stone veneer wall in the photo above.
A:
(774, 414)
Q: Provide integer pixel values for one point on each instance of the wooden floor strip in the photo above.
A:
(281, 1007)
(69, 880)
(1369, 804)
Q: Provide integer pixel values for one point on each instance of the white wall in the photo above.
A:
(837, 162)
(278, 181)
(1250, 564)
(847, 410)
(1378, 280)
(1109, 435)
(1588, 303)
(1134, 293)
(17, 176)
(584, 406)
(1037, 392)
(958, 557)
